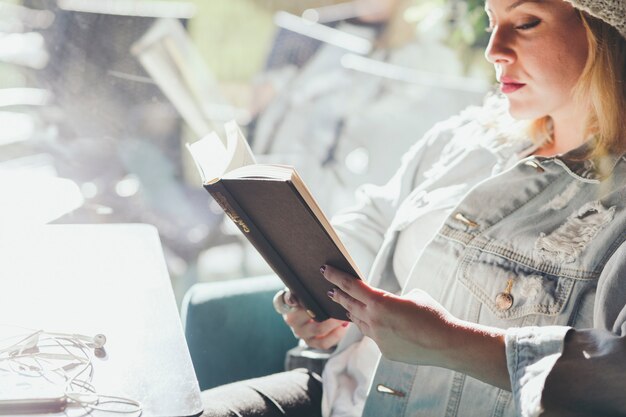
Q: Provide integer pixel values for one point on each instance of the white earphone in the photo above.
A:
(32, 340)
(68, 356)
(96, 342)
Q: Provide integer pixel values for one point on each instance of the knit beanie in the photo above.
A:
(612, 12)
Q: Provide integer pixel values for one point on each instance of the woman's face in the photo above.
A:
(539, 49)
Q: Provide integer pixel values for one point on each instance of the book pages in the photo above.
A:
(239, 152)
(210, 156)
(213, 159)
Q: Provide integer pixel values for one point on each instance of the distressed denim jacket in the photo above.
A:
(534, 245)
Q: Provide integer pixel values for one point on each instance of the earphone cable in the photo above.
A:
(27, 359)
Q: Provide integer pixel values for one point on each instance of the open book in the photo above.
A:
(273, 208)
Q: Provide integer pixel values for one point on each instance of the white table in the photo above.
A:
(108, 279)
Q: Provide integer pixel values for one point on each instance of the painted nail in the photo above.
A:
(330, 293)
(346, 324)
(322, 268)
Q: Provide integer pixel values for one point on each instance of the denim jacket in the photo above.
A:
(534, 245)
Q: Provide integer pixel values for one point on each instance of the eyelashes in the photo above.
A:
(525, 26)
(529, 25)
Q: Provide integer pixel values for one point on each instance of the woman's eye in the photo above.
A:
(528, 25)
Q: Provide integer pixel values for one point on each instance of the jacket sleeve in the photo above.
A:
(560, 371)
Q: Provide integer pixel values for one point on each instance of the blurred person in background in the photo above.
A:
(327, 116)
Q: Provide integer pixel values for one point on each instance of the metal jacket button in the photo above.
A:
(504, 300)
(386, 390)
(534, 164)
(460, 217)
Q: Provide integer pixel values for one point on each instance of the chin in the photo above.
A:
(521, 110)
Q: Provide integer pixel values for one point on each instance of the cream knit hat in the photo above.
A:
(612, 12)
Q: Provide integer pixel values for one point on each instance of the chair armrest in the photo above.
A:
(233, 332)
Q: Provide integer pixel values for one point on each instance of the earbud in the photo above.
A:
(26, 345)
(97, 342)
(66, 356)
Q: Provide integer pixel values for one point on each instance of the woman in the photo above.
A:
(524, 282)
(516, 249)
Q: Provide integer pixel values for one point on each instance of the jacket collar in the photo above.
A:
(578, 164)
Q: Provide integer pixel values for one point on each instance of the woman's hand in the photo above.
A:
(318, 335)
(414, 328)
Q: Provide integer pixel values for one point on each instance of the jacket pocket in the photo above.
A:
(511, 290)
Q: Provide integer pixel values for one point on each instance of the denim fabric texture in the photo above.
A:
(524, 247)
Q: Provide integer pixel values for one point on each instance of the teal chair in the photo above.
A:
(233, 332)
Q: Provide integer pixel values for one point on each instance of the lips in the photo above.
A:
(510, 85)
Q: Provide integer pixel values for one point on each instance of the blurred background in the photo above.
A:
(99, 97)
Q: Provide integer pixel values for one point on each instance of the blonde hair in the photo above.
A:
(603, 84)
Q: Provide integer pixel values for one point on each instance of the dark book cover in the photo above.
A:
(275, 218)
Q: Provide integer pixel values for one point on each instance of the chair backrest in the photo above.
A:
(233, 332)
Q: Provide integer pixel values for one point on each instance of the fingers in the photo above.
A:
(284, 301)
(328, 340)
(306, 328)
(318, 331)
(349, 284)
(354, 307)
(362, 301)
(297, 318)
(319, 335)
(322, 329)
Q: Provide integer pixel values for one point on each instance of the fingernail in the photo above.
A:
(346, 324)
(322, 268)
(330, 293)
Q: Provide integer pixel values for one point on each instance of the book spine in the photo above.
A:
(229, 204)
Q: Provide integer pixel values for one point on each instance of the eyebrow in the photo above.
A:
(520, 2)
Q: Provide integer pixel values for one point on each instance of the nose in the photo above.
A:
(500, 50)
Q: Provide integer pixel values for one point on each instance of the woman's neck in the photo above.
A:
(569, 133)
